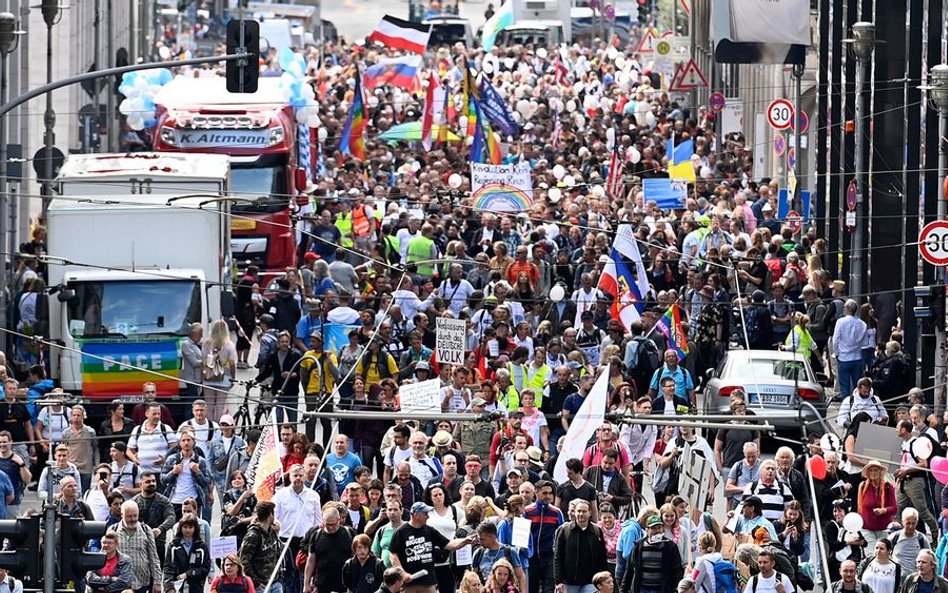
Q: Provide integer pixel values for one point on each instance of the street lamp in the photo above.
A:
(51, 16)
(938, 93)
(9, 39)
(863, 42)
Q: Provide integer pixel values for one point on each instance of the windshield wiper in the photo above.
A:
(106, 335)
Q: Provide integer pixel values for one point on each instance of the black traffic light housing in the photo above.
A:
(21, 555)
(74, 560)
(242, 74)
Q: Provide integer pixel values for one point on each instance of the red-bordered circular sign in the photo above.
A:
(933, 243)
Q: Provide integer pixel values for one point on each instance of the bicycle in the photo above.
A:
(242, 419)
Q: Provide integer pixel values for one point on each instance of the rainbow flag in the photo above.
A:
(111, 368)
(484, 147)
(352, 139)
(670, 326)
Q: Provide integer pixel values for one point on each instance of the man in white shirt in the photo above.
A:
(847, 347)
(204, 429)
(768, 580)
(861, 400)
(297, 508)
(150, 443)
(8, 584)
(408, 301)
(455, 290)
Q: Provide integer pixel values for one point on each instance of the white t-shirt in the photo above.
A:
(880, 577)
(54, 423)
(149, 446)
(765, 585)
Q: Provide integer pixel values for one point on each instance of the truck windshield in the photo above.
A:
(134, 308)
(447, 34)
(262, 181)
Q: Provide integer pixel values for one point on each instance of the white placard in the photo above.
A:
(464, 556)
(450, 340)
(520, 537)
(222, 546)
(420, 397)
(501, 188)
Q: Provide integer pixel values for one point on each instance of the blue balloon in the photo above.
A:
(298, 101)
(148, 103)
(129, 78)
(285, 57)
(150, 123)
(165, 76)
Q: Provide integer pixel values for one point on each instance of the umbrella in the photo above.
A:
(412, 131)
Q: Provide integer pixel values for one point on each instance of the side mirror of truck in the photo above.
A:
(300, 179)
(65, 295)
(227, 304)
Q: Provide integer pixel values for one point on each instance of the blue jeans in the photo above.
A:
(849, 373)
(276, 587)
(590, 588)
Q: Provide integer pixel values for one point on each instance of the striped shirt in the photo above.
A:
(544, 521)
(774, 497)
(138, 543)
(653, 577)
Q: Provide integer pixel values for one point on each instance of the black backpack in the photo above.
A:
(648, 362)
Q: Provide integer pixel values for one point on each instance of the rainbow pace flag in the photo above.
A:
(484, 147)
(352, 139)
(670, 326)
(264, 470)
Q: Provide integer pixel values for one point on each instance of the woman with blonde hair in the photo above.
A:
(219, 356)
(704, 562)
(501, 579)
(471, 583)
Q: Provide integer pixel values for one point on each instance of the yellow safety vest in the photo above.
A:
(419, 249)
(344, 224)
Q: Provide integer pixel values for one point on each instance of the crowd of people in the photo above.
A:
(387, 246)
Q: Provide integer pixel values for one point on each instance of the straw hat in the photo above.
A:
(872, 464)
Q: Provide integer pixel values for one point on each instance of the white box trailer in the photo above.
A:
(138, 250)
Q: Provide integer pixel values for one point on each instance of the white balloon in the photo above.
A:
(559, 171)
(557, 293)
(650, 120)
(487, 67)
(531, 110)
(853, 522)
(705, 172)
(373, 101)
(462, 124)
(571, 106)
(322, 134)
(522, 106)
(164, 53)
(569, 180)
(125, 107)
(455, 180)
(556, 105)
(590, 102)
(610, 137)
(541, 53)
(415, 166)
(554, 195)
(634, 155)
(579, 121)
(598, 191)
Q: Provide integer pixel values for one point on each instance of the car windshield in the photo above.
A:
(262, 182)
(129, 308)
(447, 34)
(772, 370)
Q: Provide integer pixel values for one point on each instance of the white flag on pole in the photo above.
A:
(583, 425)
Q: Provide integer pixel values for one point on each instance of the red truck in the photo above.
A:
(260, 133)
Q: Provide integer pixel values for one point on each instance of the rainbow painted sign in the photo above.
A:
(501, 188)
(111, 367)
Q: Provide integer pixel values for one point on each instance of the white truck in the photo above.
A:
(138, 249)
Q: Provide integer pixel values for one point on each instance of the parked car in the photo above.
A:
(775, 382)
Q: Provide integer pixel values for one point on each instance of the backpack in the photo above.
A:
(752, 324)
(725, 576)
(646, 365)
(775, 265)
(754, 579)
(479, 555)
(213, 369)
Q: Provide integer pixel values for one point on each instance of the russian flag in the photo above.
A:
(401, 72)
(398, 34)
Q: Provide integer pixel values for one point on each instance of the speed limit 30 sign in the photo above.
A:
(780, 114)
(933, 243)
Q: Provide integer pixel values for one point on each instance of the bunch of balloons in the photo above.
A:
(140, 89)
(297, 93)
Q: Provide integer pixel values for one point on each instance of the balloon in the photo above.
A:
(487, 67)
(541, 53)
(610, 138)
(373, 101)
(322, 134)
(852, 522)
(455, 180)
(706, 172)
(569, 180)
(557, 293)
(598, 191)
(939, 467)
(462, 124)
(817, 466)
(650, 120)
(634, 155)
(164, 53)
(125, 107)
(571, 106)
(522, 106)
(559, 171)
(554, 195)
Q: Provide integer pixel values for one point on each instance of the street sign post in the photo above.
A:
(717, 101)
(780, 145)
(794, 221)
(804, 121)
(851, 199)
(933, 243)
(792, 158)
(780, 114)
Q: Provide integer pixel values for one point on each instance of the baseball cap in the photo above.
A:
(514, 471)
(227, 419)
(653, 521)
(422, 366)
(478, 401)
(420, 507)
(310, 256)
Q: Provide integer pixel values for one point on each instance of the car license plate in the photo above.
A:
(242, 225)
(779, 400)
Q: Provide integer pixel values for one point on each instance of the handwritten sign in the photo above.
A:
(464, 556)
(520, 536)
(450, 340)
(501, 188)
(222, 546)
(420, 397)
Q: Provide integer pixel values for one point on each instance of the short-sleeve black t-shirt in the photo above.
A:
(14, 415)
(331, 551)
(415, 548)
(567, 492)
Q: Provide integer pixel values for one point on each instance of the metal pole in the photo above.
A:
(795, 199)
(940, 348)
(4, 198)
(110, 131)
(856, 273)
(97, 52)
(824, 560)
(49, 120)
(49, 539)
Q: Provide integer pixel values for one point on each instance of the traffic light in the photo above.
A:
(645, 8)
(242, 74)
(74, 560)
(21, 550)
